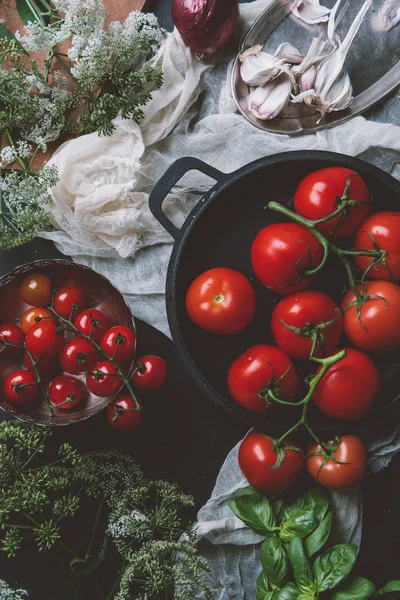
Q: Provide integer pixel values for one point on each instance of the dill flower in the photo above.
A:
(7, 593)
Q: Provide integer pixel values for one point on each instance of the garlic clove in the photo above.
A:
(313, 57)
(268, 101)
(307, 79)
(388, 16)
(258, 69)
(310, 11)
(289, 53)
(254, 50)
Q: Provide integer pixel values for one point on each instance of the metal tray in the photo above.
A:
(373, 64)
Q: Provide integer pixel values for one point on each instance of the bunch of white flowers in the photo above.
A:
(7, 593)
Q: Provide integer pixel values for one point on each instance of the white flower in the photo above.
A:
(7, 593)
(7, 155)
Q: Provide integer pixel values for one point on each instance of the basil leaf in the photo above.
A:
(334, 565)
(314, 500)
(289, 592)
(301, 523)
(274, 561)
(357, 588)
(262, 587)
(392, 586)
(319, 536)
(31, 11)
(301, 568)
(254, 510)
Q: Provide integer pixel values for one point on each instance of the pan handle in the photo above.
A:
(171, 177)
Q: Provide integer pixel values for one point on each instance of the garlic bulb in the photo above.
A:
(310, 11)
(259, 67)
(266, 102)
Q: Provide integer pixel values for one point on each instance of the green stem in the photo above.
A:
(38, 377)
(19, 160)
(96, 522)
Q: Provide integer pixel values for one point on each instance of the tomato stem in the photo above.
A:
(38, 378)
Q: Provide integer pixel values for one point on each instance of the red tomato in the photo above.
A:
(378, 327)
(21, 387)
(309, 313)
(11, 334)
(36, 290)
(104, 380)
(119, 343)
(78, 356)
(122, 413)
(324, 191)
(68, 301)
(349, 450)
(349, 388)
(221, 301)
(91, 322)
(384, 227)
(65, 392)
(151, 373)
(33, 316)
(261, 368)
(45, 339)
(281, 253)
(257, 456)
(44, 365)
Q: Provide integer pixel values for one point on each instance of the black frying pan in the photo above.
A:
(219, 232)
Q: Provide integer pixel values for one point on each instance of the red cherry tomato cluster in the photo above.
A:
(68, 349)
(330, 205)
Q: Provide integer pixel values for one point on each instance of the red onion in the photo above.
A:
(205, 25)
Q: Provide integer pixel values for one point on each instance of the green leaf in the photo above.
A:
(301, 568)
(334, 565)
(357, 588)
(274, 561)
(289, 592)
(314, 500)
(254, 510)
(29, 10)
(262, 587)
(301, 523)
(392, 586)
(319, 536)
(88, 566)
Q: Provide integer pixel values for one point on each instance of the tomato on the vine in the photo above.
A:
(103, 380)
(344, 465)
(78, 356)
(258, 369)
(300, 319)
(43, 365)
(280, 255)
(119, 343)
(380, 231)
(65, 392)
(349, 388)
(376, 327)
(150, 372)
(68, 301)
(45, 339)
(321, 193)
(122, 413)
(11, 334)
(21, 387)
(257, 457)
(221, 301)
(36, 290)
(33, 316)
(91, 322)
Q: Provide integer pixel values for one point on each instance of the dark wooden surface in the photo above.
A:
(185, 439)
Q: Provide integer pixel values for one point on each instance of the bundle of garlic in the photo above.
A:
(318, 79)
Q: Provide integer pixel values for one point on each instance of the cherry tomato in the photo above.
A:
(21, 387)
(122, 413)
(65, 392)
(378, 327)
(261, 368)
(257, 457)
(78, 356)
(314, 315)
(11, 334)
(324, 191)
(381, 230)
(221, 301)
(91, 322)
(44, 365)
(103, 380)
(349, 388)
(33, 316)
(151, 373)
(119, 343)
(45, 339)
(68, 301)
(281, 253)
(348, 470)
(36, 290)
